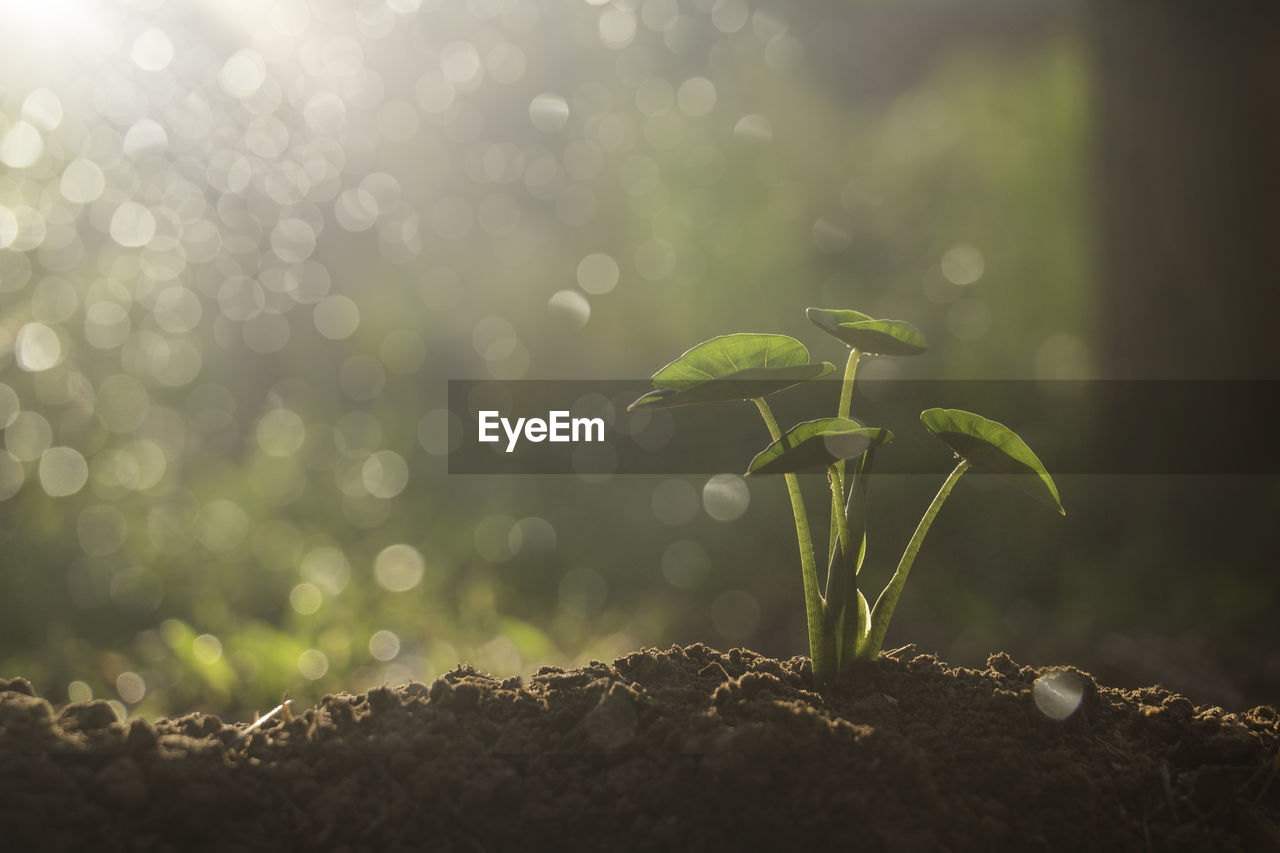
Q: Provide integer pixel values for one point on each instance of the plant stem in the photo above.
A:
(823, 657)
(846, 406)
(856, 632)
(846, 387)
(855, 513)
(840, 576)
(888, 600)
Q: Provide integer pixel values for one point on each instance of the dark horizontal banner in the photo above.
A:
(580, 427)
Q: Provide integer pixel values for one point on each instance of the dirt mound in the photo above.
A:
(684, 749)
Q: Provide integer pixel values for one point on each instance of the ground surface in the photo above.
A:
(687, 749)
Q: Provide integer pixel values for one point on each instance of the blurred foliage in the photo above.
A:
(242, 249)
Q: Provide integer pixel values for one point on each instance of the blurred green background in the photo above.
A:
(243, 247)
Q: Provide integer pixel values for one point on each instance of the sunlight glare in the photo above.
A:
(65, 28)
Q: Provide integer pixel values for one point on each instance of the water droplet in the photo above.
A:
(726, 497)
(132, 225)
(313, 664)
(152, 50)
(37, 347)
(12, 475)
(617, 27)
(963, 265)
(8, 232)
(1058, 694)
(43, 109)
(459, 62)
(730, 16)
(336, 317)
(207, 649)
(131, 687)
(385, 474)
(398, 568)
(571, 305)
(327, 567)
(494, 338)
(549, 112)
(280, 432)
(21, 146)
(598, 273)
(305, 598)
(532, 535)
(10, 406)
(384, 645)
(440, 432)
(696, 96)
(754, 128)
(356, 210)
(293, 240)
(243, 73)
(63, 471)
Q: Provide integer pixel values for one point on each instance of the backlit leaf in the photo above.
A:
(741, 366)
(992, 447)
(816, 444)
(876, 337)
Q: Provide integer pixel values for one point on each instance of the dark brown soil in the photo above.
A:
(687, 749)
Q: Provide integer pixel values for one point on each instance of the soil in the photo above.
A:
(684, 749)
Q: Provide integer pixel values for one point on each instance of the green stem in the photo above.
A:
(822, 656)
(839, 577)
(846, 406)
(856, 629)
(842, 559)
(888, 600)
(855, 633)
(846, 388)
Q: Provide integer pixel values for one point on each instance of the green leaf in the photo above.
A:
(992, 447)
(816, 444)
(732, 367)
(876, 337)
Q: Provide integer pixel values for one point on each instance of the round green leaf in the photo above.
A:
(992, 447)
(876, 337)
(732, 367)
(816, 444)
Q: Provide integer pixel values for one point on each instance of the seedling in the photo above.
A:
(842, 626)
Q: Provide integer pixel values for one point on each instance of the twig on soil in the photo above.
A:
(282, 708)
(896, 653)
